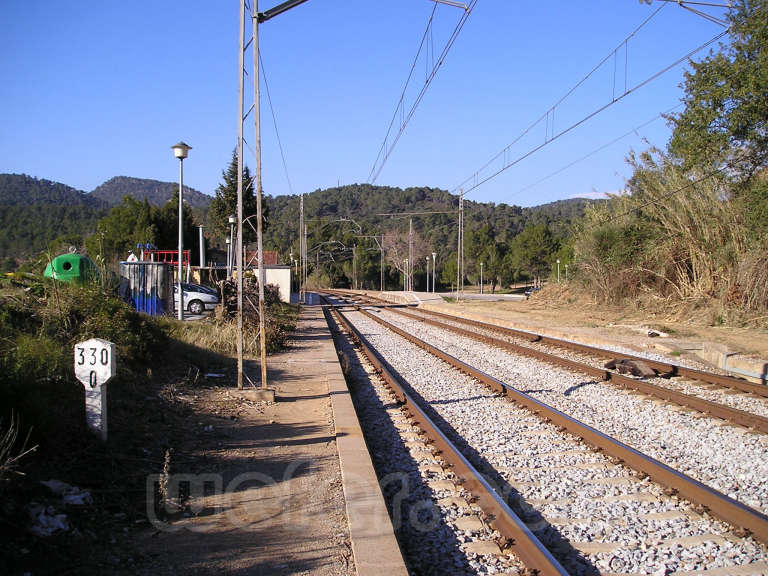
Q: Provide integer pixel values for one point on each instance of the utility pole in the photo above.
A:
(259, 214)
(256, 19)
(462, 244)
(410, 254)
(301, 247)
(460, 248)
(381, 250)
(240, 127)
(434, 271)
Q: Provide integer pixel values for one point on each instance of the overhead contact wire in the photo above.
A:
(427, 83)
(591, 115)
(274, 121)
(551, 109)
(405, 88)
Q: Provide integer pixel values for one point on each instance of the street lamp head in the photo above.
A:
(558, 260)
(434, 254)
(181, 150)
(232, 220)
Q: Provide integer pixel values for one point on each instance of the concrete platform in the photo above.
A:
(313, 357)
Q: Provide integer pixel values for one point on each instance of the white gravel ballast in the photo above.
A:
(595, 516)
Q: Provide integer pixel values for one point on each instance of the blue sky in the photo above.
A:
(93, 90)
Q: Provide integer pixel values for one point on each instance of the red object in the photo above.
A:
(270, 257)
(166, 256)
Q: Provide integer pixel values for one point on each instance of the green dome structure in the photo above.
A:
(74, 268)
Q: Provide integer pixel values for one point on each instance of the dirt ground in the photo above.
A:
(270, 498)
(195, 479)
(556, 306)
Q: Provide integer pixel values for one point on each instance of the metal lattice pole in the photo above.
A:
(240, 124)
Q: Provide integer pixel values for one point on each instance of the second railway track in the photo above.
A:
(544, 481)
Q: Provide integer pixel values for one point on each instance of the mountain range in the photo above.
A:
(34, 212)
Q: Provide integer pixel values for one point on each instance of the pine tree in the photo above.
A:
(224, 204)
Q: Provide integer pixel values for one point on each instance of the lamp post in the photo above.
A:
(481, 277)
(381, 263)
(181, 151)
(229, 257)
(558, 270)
(202, 248)
(434, 271)
(231, 260)
(566, 272)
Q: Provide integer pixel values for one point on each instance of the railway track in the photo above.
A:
(663, 369)
(721, 408)
(559, 464)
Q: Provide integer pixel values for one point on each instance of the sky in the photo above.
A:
(93, 90)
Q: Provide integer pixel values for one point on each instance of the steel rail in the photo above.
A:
(665, 369)
(524, 543)
(716, 503)
(734, 415)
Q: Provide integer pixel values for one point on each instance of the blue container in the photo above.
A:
(148, 286)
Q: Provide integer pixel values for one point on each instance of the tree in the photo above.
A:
(531, 252)
(224, 204)
(493, 258)
(725, 121)
(166, 224)
(121, 229)
(449, 271)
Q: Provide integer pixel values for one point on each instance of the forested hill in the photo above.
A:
(379, 209)
(23, 190)
(35, 213)
(155, 192)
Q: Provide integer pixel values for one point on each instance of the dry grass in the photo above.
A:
(10, 452)
(677, 244)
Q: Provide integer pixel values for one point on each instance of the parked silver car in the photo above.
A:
(197, 298)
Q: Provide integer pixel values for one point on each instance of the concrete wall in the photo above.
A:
(281, 276)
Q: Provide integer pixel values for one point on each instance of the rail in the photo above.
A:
(718, 504)
(734, 415)
(523, 542)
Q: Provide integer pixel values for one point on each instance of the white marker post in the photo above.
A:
(94, 366)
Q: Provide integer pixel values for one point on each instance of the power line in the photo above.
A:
(549, 139)
(406, 214)
(384, 151)
(274, 121)
(405, 87)
(596, 150)
(712, 4)
(551, 109)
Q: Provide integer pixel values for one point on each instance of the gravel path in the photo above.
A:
(594, 515)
